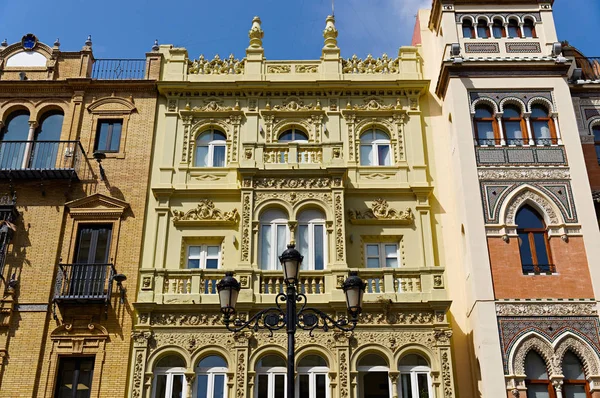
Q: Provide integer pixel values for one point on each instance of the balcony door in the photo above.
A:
(46, 142)
(88, 274)
(14, 140)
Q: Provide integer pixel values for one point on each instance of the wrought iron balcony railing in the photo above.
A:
(43, 160)
(84, 283)
(119, 69)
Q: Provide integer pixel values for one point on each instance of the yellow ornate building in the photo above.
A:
(70, 226)
(251, 154)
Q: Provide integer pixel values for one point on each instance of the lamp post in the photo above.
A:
(276, 318)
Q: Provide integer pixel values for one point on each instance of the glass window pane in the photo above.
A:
(514, 136)
(598, 152)
(212, 361)
(219, 156)
(271, 361)
(537, 391)
(513, 30)
(17, 127)
(422, 385)
(406, 385)
(511, 111)
(527, 31)
(482, 31)
(213, 251)
(202, 390)
(321, 386)
(497, 30)
(539, 239)
(312, 360)
(527, 217)
(525, 250)
(540, 129)
(572, 367)
(380, 135)
(263, 386)
(391, 250)
(384, 155)
(304, 387)
(177, 387)
(596, 132)
(205, 137)
(194, 251)
(115, 138)
(201, 159)
(286, 136)
(467, 31)
(366, 155)
(574, 391)
(212, 263)
(373, 250)
(391, 262)
(193, 263)
(161, 386)
(102, 135)
(303, 244)
(319, 245)
(535, 367)
(485, 130)
(266, 249)
(218, 386)
(219, 136)
(281, 242)
(373, 263)
(279, 386)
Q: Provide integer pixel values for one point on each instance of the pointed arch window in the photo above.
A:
(537, 381)
(534, 246)
(596, 132)
(498, 29)
(513, 125)
(514, 30)
(529, 28)
(210, 149)
(483, 30)
(575, 384)
(211, 378)
(468, 29)
(486, 126)
(544, 132)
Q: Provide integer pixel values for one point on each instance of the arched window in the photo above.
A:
(486, 126)
(483, 30)
(375, 148)
(292, 135)
(513, 28)
(312, 239)
(211, 378)
(271, 374)
(542, 126)
(312, 381)
(210, 149)
(274, 237)
(16, 129)
(529, 28)
(47, 137)
(373, 374)
(467, 28)
(537, 382)
(168, 378)
(498, 28)
(575, 384)
(514, 126)
(533, 241)
(596, 132)
(415, 377)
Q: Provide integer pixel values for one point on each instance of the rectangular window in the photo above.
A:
(108, 135)
(381, 255)
(88, 274)
(204, 256)
(74, 377)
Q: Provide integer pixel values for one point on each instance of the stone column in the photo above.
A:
(500, 128)
(526, 116)
(139, 385)
(394, 378)
(28, 146)
(556, 128)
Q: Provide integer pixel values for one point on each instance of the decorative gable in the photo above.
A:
(97, 205)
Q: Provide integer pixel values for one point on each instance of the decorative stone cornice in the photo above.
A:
(546, 309)
(381, 211)
(205, 213)
(293, 183)
(524, 174)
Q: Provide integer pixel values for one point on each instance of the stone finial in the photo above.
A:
(256, 33)
(57, 43)
(330, 33)
(88, 42)
(155, 46)
(4, 43)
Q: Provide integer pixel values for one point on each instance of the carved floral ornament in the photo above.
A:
(370, 65)
(217, 66)
(205, 212)
(380, 211)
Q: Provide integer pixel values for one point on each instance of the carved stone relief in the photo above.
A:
(546, 309)
(206, 211)
(380, 210)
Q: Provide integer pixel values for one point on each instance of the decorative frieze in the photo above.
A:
(523, 47)
(380, 211)
(546, 309)
(205, 212)
(293, 183)
(370, 65)
(217, 66)
(524, 174)
(482, 48)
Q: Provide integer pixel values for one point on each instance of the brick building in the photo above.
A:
(71, 229)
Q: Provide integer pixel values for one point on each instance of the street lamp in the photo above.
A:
(276, 318)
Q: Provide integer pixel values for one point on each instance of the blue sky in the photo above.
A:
(293, 29)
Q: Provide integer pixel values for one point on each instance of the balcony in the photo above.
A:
(84, 283)
(48, 160)
(550, 141)
(119, 69)
(284, 155)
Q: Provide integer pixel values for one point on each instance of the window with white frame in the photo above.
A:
(271, 374)
(312, 239)
(381, 255)
(210, 149)
(415, 377)
(274, 237)
(211, 378)
(168, 381)
(312, 381)
(293, 135)
(375, 149)
(373, 377)
(204, 256)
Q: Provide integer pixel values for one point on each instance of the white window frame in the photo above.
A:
(211, 372)
(211, 144)
(273, 263)
(413, 371)
(317, 219)
(363, 370)
(312, 372)
(271, 372)
(170, 373)
(203, 255)
(382, 254)
(375, 144)
(293, 130)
